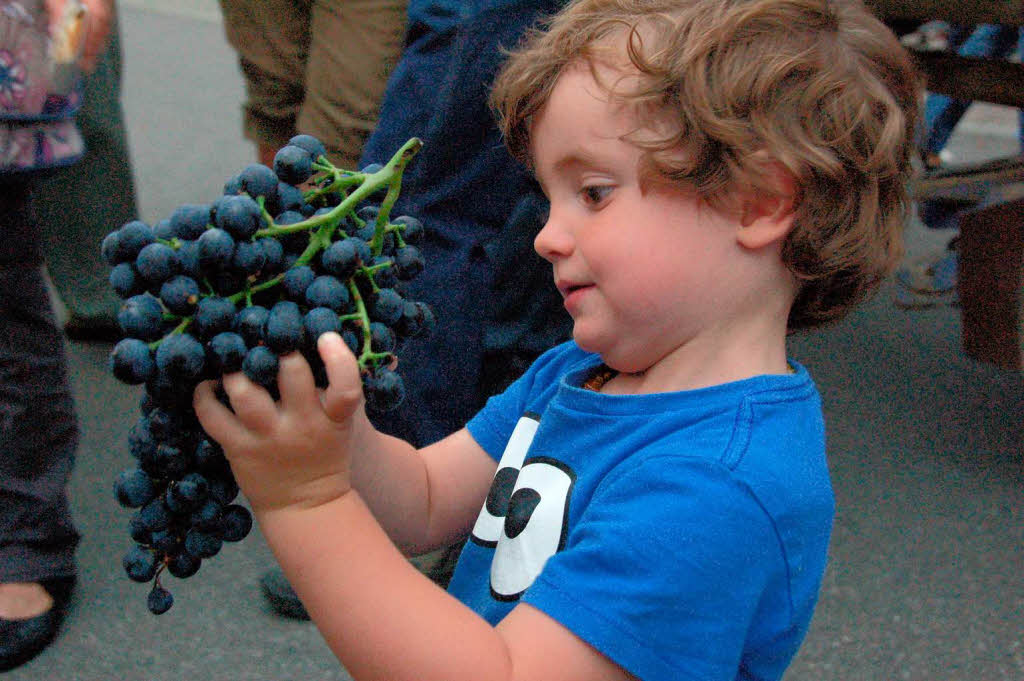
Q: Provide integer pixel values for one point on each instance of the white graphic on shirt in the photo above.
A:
(525, 515)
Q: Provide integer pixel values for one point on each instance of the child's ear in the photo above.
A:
(767, 216)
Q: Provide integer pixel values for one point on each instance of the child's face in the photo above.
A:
(644, 268)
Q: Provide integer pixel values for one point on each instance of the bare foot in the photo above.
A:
(23, 600)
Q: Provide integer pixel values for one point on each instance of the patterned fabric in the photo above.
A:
(38, 96)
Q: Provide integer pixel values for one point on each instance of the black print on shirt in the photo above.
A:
(526, 513)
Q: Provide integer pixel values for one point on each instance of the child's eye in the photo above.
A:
(594, 195)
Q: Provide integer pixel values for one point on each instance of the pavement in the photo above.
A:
(926, 450)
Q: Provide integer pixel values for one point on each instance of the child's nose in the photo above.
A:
(554, 239)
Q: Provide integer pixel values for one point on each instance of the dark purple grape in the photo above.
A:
(249, 323)
(284, 332)
(386, 305)
(328, 291)
(139, 563)
(180, 294)
(293, 164)
(190, 220)
(134, 488)
(210, 457)
(142, 317)
(296, 280)
(384, 272)
(260, 365)
(273, 252)
(382, 337)
(216, 247)
(223, 489)
(351, 339)
(213, 315)
(164, 230)
(201, 545)
(132, 238)
(167, 462)
(257, 179)
(188, 259)
(384, 390)
(181, 357)
(183, 565)
(157, 263)
(110, 248)
(289, 199)
(236, 523)
(318, 321)
(207, 518)
(131, 361)
(340, 258)
(154, 516)
(311, 144)
(239, 215)
(249, 258)
(408, 262)
(412, 229)
(226, 352)
(159, 600)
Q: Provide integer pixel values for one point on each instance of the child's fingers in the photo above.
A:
(216, 419)
(295, 381)
(344, 387)
(252, 405)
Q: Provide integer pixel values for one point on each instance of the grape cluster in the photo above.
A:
(283, 256)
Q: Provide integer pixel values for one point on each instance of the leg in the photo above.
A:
(271, 38)
(38, 435)
(76, 213)
(354, 45)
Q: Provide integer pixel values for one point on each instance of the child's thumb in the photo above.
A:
(344, 392)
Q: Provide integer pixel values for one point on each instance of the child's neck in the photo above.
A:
(706, 361)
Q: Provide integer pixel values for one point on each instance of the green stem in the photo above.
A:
(325, 225)
(370, 184)
(363, 317)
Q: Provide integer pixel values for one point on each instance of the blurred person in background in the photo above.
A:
(316, 67)
(76, 214)
(38, 428)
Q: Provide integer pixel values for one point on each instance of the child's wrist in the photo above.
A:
(304, 496)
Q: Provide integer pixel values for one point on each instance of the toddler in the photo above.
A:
(650, 500)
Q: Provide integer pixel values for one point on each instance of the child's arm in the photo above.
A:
(382, 618)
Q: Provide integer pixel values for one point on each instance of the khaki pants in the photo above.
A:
(317, 67)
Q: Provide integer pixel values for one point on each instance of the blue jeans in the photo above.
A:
(942, 113)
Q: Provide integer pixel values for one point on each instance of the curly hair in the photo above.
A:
(819, 88)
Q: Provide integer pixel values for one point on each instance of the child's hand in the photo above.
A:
(295, 452)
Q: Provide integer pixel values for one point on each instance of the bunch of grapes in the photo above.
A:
(282, 257)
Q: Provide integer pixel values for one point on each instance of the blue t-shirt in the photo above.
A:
(682, 534)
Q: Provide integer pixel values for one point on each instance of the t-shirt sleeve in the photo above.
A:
(664, 571)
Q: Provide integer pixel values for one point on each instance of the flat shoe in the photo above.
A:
(22, 640)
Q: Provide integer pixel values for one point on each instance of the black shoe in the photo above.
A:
(93, 329)
(21, 640)
(281, 596)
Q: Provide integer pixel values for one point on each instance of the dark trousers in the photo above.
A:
(78, 206)
(38, 429)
